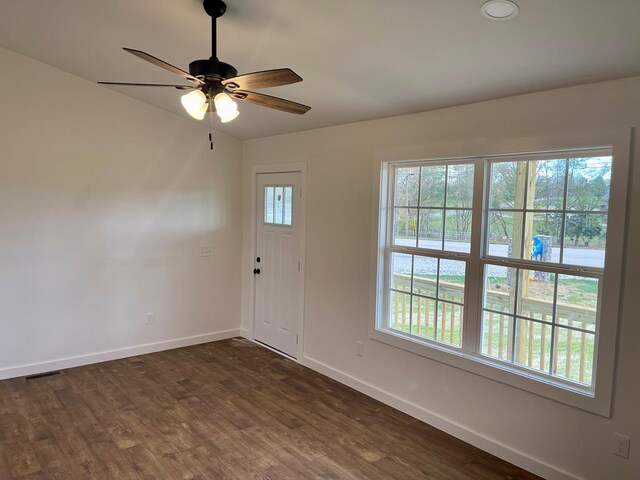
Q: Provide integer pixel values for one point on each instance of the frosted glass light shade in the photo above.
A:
(195, 103)
(229, 117)
(226, 108)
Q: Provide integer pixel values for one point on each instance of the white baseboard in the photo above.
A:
(79, 360)
(447, 425)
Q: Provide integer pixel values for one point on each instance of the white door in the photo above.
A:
(277, 268)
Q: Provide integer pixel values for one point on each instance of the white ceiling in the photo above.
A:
(360, 59)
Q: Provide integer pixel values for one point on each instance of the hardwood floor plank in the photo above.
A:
(228, 410)
(146, 464)
(116, 462)
(50, 457)
(22, 458)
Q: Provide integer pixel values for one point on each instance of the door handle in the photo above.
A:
(256, 271)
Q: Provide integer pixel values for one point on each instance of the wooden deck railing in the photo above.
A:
(449, 315)
(571, 354)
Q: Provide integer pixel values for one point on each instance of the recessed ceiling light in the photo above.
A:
(499, 9)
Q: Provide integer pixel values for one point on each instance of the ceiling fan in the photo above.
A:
(214, 84)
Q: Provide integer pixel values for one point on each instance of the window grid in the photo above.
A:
(564, 212)
(445, 210)
(437, 254)
(282, 216)
(438, 329)
(524, 264)
(440, 303)
(529, 209)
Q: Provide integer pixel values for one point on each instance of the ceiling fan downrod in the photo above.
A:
(215, 9)
(212, 70)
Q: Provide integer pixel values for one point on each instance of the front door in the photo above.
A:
(277, 269)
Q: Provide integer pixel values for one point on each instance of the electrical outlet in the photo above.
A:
(621, 445)
(206, 251)
(150, 318)
(359, 348)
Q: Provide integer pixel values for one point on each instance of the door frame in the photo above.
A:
(297, 167)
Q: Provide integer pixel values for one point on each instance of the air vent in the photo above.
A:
(41, 375)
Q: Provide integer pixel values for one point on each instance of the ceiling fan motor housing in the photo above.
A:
(212, 69)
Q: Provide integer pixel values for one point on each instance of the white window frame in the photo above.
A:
(596, 399)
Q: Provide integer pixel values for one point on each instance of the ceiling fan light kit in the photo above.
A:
(195, 103)
(214, 84)
(226, 108)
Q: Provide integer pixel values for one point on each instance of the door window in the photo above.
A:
(278, 205)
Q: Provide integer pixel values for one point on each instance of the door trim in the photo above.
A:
(301, 168)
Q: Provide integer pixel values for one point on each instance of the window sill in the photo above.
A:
(508, 374)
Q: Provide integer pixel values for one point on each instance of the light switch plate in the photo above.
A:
(206, 251)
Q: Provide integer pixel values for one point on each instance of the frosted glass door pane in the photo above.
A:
(278, 204)
(268, 204)
(288, 205)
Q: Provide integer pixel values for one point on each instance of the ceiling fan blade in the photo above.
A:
(265, 79)
(270, 102)
(128, 84)
(162, 64)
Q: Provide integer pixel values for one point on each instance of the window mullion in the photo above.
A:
(429, 253)
(444, 211)
(411, 296)
(563, 225)
(592, 272)
(391, 208)
(473, 292)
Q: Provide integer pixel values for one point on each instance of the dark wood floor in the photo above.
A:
(224, 410)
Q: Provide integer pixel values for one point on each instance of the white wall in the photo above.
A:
(554, 437)
(104, 204)
(105, 201)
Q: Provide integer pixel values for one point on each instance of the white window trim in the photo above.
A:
(597, 400)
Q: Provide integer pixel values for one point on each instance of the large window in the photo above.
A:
(501, 260)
